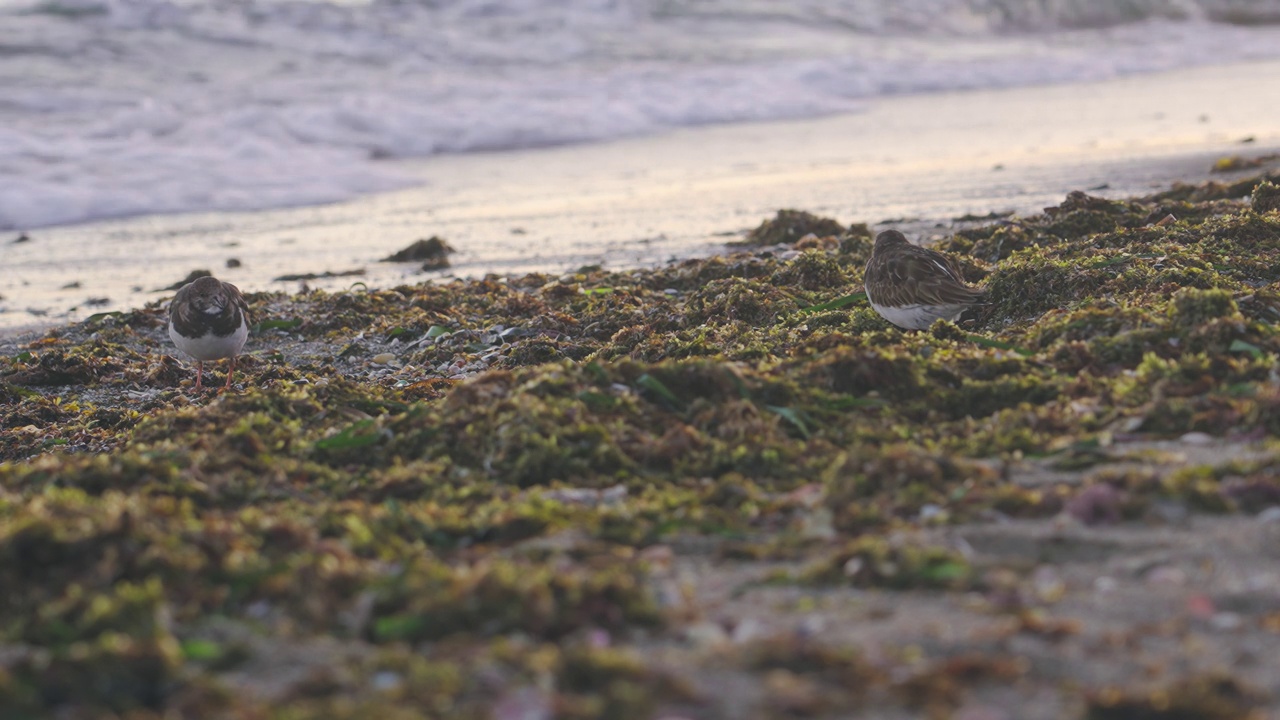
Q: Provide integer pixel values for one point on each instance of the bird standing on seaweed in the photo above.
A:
(209, 320)
(912, 287)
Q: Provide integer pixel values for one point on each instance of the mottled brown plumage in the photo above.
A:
(209, 320)
(912, 287)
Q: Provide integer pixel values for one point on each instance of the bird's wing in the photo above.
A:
(181, 312)
(238, 299)
(930, 278)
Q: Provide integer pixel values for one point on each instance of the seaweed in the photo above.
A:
(462, 494)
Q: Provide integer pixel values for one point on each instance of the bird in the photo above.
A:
(911, 286)
(209, 320)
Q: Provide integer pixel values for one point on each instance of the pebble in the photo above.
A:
(658, 555)
(1049, 587)
(384, 358)
(1200, 606)
(387, 680)
(599, 639)
(1270, 515)
(613, 495)
(588, 496)
(930, 511)
(705, 634)
(1167, 575)
(748, 630)
(1171, 512)
(1197, 438)
(811, 626)
(1226, 621)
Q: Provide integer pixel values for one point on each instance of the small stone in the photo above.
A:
(1096, 505)
(747, 630)
(599, 639)
(811, 626)
(1105, 584)
(387, 680)
(574, 496)
(1226, 621)
(1198, 439)
(1048, 586)
(1270, 515)
(1170, 512)
(1167, 575)
(658, 555)
(1201, 606)
(613, 495)
(384, 358)
(705, 634)
(930, 512)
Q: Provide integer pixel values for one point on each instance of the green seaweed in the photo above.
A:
(502, 502)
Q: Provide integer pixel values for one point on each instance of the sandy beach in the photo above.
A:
(916, 160)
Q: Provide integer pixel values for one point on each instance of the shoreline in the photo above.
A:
(637, 202)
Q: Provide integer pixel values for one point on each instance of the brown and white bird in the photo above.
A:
(209, 320)
(911, 286)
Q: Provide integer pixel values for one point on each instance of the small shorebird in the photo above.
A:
(911, 286)
(209, 320)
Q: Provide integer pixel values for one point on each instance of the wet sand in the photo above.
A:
(917, 161)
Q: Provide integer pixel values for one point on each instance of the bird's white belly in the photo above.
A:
(210, 346)
(918, 317)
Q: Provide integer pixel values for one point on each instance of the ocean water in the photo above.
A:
(112, 108)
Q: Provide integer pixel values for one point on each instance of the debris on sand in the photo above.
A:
(1266, 197)
(789, 226)
(190, 278)
(433, 252)
(320, 276)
